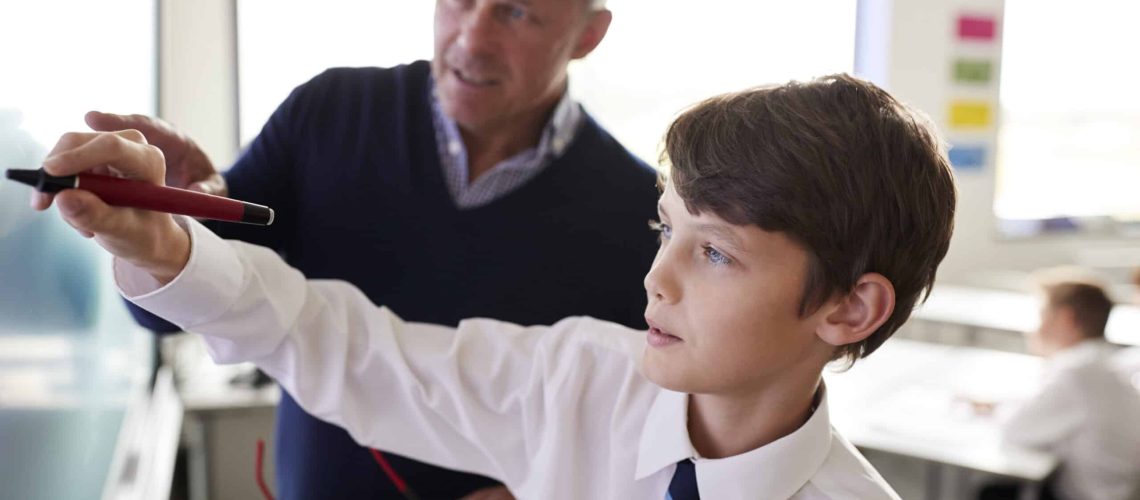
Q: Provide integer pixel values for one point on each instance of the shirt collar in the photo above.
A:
(779, 468)
(555, 138)
(1082, 353)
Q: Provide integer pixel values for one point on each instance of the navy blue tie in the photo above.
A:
(684, 484)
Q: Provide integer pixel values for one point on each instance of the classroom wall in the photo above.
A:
(197, 78)
(905, 45)
(914, 63)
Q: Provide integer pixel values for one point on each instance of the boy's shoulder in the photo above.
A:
(846, 474)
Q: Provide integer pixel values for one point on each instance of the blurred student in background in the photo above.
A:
(1084, 413)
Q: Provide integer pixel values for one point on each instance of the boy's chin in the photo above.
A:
(664, 374)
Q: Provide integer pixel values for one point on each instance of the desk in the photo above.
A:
(906, 399)
(222, 422)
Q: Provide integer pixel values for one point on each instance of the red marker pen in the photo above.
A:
(138, 194)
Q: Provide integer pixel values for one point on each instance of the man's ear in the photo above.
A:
(855, 316)
(596, 27)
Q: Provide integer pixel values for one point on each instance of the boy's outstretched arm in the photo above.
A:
(466, 398)
(474, 398)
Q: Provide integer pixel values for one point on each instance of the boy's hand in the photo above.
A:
(147, 239)
(187, 166)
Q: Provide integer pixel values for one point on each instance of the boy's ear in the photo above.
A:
(858, 314)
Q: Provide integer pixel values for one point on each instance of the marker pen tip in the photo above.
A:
(29, 177)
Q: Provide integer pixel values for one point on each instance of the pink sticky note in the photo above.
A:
(976, 27)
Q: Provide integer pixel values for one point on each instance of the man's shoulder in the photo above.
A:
(369, 78)
(612, 164)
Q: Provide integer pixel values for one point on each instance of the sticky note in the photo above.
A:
(971, 114)
(967, 156)
(980, 28)
(973, 70)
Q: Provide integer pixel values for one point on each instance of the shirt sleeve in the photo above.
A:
(262, 174)
(1051, 415)
(469, 398)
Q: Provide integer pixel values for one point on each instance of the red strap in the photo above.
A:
(396, 479)
(261, 470)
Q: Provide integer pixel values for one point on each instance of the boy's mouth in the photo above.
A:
(656, 337)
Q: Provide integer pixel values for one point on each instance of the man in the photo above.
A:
(473, 188)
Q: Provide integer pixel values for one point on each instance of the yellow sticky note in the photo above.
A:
(971, 114)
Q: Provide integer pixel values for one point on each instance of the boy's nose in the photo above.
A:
(659, 282)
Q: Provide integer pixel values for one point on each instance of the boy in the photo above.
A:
(1085, 412)
(801, 225)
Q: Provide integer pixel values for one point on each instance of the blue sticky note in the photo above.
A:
(968, 157)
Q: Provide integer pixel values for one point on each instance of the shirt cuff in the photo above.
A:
(206, 287)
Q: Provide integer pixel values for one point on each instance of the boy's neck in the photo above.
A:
(727, 425)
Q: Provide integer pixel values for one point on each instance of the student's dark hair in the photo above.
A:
(1088, 302)
(858, 179)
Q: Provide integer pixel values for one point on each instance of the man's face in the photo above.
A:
(497, 60)
(724, 306)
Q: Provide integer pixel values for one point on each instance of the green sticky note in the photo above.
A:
(973, 70)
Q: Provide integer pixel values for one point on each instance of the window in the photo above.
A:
(658, 57)
(63, 58)
(284, 43)
(1069, 143)
(71, 359)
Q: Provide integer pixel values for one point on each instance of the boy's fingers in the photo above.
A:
(70, 140)
(126, 151)
(84, 211)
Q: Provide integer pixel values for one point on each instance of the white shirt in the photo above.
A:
(1087, 415)
(558, 412)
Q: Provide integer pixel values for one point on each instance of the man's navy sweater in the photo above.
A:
(350, 164)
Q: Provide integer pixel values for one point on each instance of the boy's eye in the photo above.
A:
(714, 256)
(661, 227)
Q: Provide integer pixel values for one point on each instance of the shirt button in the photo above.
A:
(454, 147)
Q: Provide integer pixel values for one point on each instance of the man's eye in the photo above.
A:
(512, 12)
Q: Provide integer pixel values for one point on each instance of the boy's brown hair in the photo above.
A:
(1088, 302)
(837, 164)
